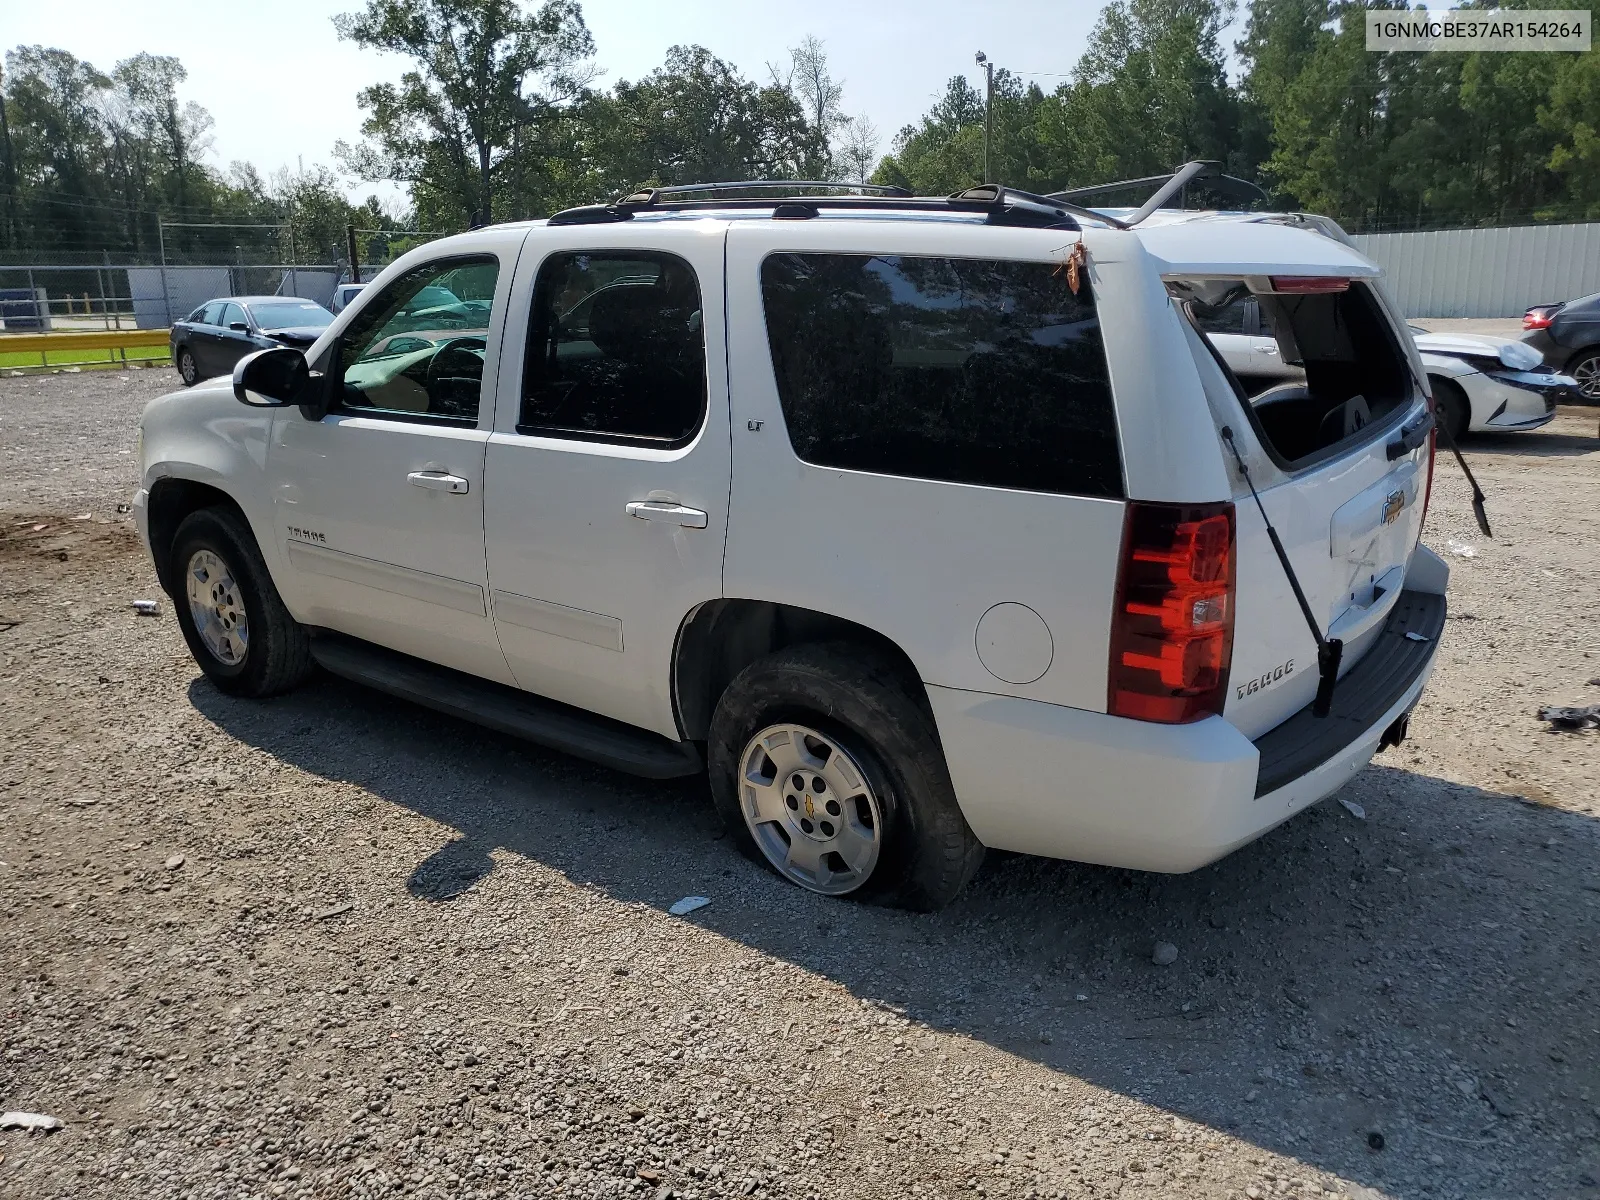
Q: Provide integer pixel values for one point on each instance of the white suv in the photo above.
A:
(922, 525)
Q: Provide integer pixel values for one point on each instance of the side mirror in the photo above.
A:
(238, 327)
(272, 378)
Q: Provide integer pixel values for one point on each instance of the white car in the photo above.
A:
(1481, 383)
(343, 294)
(921, 525)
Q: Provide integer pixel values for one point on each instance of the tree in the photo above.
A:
(1149, 93)
(858, 148)
(694, 120)
(811, 82)
(487, 78)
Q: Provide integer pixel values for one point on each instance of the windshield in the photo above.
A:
(290, 314)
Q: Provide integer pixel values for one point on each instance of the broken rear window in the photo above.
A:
(1315, 369)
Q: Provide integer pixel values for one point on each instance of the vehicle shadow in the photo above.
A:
(1425, 974)
(1540, 442)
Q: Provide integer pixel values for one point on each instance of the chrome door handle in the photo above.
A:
(439, 481)
(1266, 349)
(665, 510)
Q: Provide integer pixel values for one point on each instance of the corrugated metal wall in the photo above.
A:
(1486, 272)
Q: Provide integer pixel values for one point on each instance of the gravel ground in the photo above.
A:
(335, 945)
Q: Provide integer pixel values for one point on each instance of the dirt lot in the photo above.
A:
(332, 945)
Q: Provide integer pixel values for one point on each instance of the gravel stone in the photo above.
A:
(204, 1036)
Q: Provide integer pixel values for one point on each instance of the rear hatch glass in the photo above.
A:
(1326, 389)
(1316, 367)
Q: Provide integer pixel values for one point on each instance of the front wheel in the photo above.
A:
(1585, 369)
(237, 628)
(826, 766)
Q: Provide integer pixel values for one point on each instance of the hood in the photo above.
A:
(1514, 354)
(1461, 343)
(300, 335)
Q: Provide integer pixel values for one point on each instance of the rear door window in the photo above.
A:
(964, 370)
(616, 352)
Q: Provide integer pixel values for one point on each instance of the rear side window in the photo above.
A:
(963, 370)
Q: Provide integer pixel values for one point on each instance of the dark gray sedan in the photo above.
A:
(219, 333)
(1567, 336)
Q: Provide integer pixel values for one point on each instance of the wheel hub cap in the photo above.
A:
(809, 807)
(218, 612)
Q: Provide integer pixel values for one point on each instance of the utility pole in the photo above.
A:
(350, 245)
(9, 229)
(988, 112)
(166, 291)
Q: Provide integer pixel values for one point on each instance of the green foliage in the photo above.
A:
(499, 115)
(97, 159)
(693, 120)
(482, 105)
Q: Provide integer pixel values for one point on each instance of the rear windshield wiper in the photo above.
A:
(1330, 651)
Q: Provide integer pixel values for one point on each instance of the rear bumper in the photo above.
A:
(1067, 783)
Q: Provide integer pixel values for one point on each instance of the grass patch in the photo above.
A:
(12, 360)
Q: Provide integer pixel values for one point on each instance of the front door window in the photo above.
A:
(416, 352)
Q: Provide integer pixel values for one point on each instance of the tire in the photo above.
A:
(1588, 363)
(1454, 413)
(188, 369)
(218, 575)
(864, 718)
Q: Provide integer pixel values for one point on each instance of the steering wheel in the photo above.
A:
(452, 365)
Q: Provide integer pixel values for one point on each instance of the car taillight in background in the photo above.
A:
(1172, 629)
(1538, 318)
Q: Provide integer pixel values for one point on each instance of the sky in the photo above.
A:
(282, 88)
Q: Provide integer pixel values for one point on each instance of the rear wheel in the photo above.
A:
(1585, 368)
(826, 766)
(237, 628)
(188, 369)
(1454, 413)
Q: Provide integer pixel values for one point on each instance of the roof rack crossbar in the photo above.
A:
(646, 196)
(1002, 204)
(1168, 186)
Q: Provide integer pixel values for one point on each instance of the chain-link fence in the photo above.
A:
(52, 295)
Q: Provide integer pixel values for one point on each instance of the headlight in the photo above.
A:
(1520, 357)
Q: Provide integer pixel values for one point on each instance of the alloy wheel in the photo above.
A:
(1587, 374)
(809, 806)
(217, 608)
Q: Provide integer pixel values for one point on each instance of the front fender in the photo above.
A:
(204, 436)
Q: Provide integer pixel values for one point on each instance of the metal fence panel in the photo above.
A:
(1486, 272)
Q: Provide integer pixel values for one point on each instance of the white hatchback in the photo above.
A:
(921, 525)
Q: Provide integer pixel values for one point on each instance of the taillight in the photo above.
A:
(1172, 630)
(1536, 319)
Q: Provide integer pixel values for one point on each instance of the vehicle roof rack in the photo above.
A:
(1171, 185)
(1003, 205)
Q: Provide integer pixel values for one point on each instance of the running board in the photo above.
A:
(506, 710)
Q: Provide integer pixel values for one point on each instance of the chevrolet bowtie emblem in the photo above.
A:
(811, 809)
(1392, 507)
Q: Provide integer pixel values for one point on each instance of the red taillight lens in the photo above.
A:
(1309, 284)
(1172, 631)
(1536, 320)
